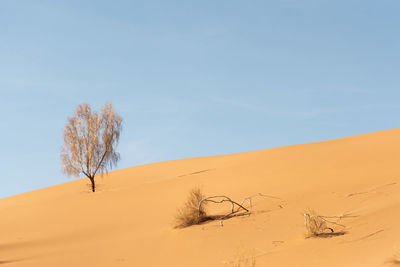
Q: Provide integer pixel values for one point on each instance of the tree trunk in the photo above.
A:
(93, 184)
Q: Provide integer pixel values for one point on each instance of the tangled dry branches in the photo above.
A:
(319, 226)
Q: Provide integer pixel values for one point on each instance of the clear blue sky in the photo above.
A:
(192, 78)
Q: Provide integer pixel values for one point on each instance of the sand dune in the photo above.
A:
(128, 222)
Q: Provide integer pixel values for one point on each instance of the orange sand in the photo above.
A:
(128, 222)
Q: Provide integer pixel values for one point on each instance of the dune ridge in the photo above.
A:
(128, 222)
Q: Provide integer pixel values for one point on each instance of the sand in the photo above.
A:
(129, 220)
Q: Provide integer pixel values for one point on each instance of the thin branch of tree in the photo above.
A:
(221, 200)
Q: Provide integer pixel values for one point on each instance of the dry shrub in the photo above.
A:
(190, 214)
(315, 224)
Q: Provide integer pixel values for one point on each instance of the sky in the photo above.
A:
(192, 78)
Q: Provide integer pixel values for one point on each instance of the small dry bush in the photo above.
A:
(190, 214)
(315, 224)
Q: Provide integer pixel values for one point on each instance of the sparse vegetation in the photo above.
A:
(194, 210)
(315, 224)
(90, 140)
(324, 226)
(190, 213)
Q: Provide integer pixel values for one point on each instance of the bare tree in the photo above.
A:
(90, 140)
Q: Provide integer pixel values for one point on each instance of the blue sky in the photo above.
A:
(192, 78)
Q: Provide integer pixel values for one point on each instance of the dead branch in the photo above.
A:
(221, 199)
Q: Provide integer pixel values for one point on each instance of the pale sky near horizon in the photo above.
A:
(192, 78)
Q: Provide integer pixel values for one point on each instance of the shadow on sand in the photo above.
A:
(329, 235)
(210, 218)
(10, 261)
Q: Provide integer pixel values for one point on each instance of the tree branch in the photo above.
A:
(224, 199)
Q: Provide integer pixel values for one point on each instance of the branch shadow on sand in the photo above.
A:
(329, 235)
(210, 218)
(10, 261)
(393, 262)
(15, 246)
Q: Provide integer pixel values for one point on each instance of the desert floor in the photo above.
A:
(128, 222)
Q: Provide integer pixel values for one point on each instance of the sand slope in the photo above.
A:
(128, 222)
